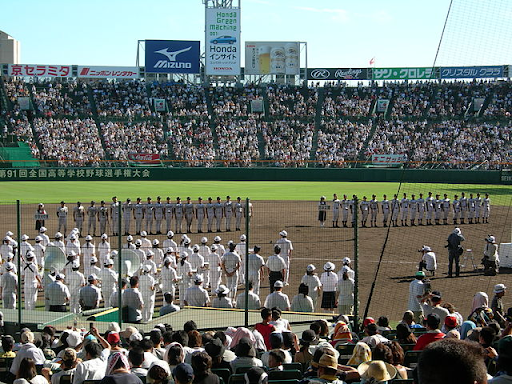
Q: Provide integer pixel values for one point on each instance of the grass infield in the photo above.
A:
(32, 192)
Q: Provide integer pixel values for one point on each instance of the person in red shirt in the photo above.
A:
(433, 332)
(265, 328)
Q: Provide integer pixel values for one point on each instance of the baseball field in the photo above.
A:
(388, 256)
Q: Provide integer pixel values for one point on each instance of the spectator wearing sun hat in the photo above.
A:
(376, 371)
(497, 303)
(222, 301)
(329, 280)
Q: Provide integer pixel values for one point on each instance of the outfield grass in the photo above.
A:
(72, 191)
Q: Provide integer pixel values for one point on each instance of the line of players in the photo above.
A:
(167, 266)
(411, 211)
(150, 216)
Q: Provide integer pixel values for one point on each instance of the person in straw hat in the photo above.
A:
(376, 371)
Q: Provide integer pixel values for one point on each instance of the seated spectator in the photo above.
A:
(27, 373)
(222, 301)
(308, 341)
(276, 358)
(149, 357)
(398, 360)
(452, 361)
(136, 358)
(67, 367)
(341, 334)
(155, 335)
(169, 306)
(278, 322)
(256, 375)
(433, 332)
(95, 364)
(383, 324)
(504, 362)
(118, 371)
(195, 344)
(245, 355)
(7, 346)
(360, 354)
(175, 355)
(216, 350)
(376, 371)
(373, 338)
(404, 334)
(201, 364)
(408, 318)
(27, 350)
(160, 373)
(183, 374)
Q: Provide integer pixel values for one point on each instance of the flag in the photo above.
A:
(372, 61)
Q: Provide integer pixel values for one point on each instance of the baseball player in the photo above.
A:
(39, 251)
(364, 206)
(31, 279)
(204, 251)
(228, 213)
(413, 206)
(286, 252)
(216, 241)
(336, 205)
(159, 253)
(146, 243)
(438, 208)
(6, 248)
(353, 209)
(219, 213)
(239, 213)
(322, 213)
(169, 242)
(72, 259)
(486, 208)
(404, 208)
(345, 209)
(92, 214)
(230, 264)
(46, 238)
(312, 281)
(241, 249)
(256, 264)
(430, 207)
(62, 215)
(129, 243)
(78, 216)
(150, 262)
(276, 267)
(471, 209)
(214, 260)
(395, 210)
(108, 278)
(188, 208)
(88, 251)
(76, 281)
(138, 215)
(210, 214)
(149, 215)
(463, 207)
(446, 208)
(386, 208)
(25, 246)
(103, 217)
(196, 260)
(73, 244)
(103, 248)
(159, 210)
(57, 242)
(184, 272)
(374, 210)
(9, 286)
(169, 206)
(178, 214)
(147, 286)
(127, 216)
(168, 276)
(478, 206)
(139, 250)
(456, 209)
(114, 214)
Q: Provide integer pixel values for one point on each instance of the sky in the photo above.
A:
(397, 33)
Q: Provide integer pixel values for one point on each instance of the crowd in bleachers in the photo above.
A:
(426, 121)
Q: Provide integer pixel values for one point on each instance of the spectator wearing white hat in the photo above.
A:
(428, 260)
(497, 304)
(92, 214)
(88, 250)
(103, 248)
(276, 266)
(491, 259)
(76, 281)
(108, 278)
(9, 286)
(329, 280)
(147, 285)
(230, 264)
(62, 215)
(39, 250)
(196, 295)
(222, 301)
(286, 252)
(277, 298)
(345, 289)
(312, 281)
(57, 294)
(90, 295)
(27, 350)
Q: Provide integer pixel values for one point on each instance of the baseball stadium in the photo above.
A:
(145, 200)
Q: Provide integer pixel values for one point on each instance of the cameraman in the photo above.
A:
(455, 250)
(428, 260)
(490, 260)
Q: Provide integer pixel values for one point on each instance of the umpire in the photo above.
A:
(455, 250)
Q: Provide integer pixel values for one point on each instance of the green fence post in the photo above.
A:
(18, 229)
(247, 221)
(119, 268)
(356, 264)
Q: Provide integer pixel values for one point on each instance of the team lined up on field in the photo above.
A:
(411, 211)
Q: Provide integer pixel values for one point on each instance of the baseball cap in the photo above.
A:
(75, 264)
(243, 238)
(310, 268)
(215, 348)
(88, 238)
(9, 266)
(92, 277)
(156, 242)
(198, 279)
(104, 236)
(60, 276)
(143, 233)
(420, 274)
(214, 247)
(108, 262)
(308, 336)
(170, 234)
(38, 238)
(436, 294)
(183, 372)
(204, 240)
(94, 259)
(346, 260)
(450, 321)
(58, 235)
(24, 237)
(129, 238)
(217, 238)
(195, 247)
(490, 239)
(113, 337)
(498, 288)
(368, 320)
(42, 229)
(278, 284)
(283, 233)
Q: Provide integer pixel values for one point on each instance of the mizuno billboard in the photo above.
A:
(172, 56)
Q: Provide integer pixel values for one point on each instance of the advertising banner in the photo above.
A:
(403, 73)
(222, 40)
(382, 105)
(172, 56)
(387, 160)
(146, 159)
(471, 72)
(159, 105)
(39, 70)
(99, 72)
(272, 58)
(337, 74)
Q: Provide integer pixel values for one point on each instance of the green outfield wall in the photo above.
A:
(259, 174)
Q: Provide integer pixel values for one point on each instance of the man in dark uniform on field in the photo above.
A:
(455, 250)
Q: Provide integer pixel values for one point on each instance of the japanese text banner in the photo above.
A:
(403, 73)
(472, 72)
(108, 72)
(39, 70)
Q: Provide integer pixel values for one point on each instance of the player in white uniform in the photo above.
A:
(184, 272)
(386, 208)
(345, 209)
(159, 210)
(374, 210)
(430, 208)
(364, 206)
(25, 246)
(210, 214)
(149, 215)
(103, 248)
(404, 208)
(74, 245)
(438, 208)
(103, 217)
(395, 210)
(312, 281)
(478, 208)
(159, 253)
(188, 209)
(147, 286)
(92, 214)
(228, 213)
(256, 264)
(413, 207)
(446, 208)
(463, 207)
(91, 267)
(471, 209)
(421, 209)
(109, 281)
(9, 286)
(46, 238)
(239, 213)
(241, 249)
(31, 279)
(353, 209)
(456, 209)
(138, 215)
(146, 243)
(150, 262)
(214, 260)
(486, 208)
(78, 216)
(178, 214)
(286, 252)
(75, 281)
(169, 206)
(230, 263)
(169, 242)
(39, 251)
(127, 216)
(114, 214)
(219, 213)
(168, 276)
(58, 242)
(139, 250)
(62, 214)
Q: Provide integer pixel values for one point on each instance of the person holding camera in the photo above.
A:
(428, 260)
(455, 251)
(490, 260)
(416, 295)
